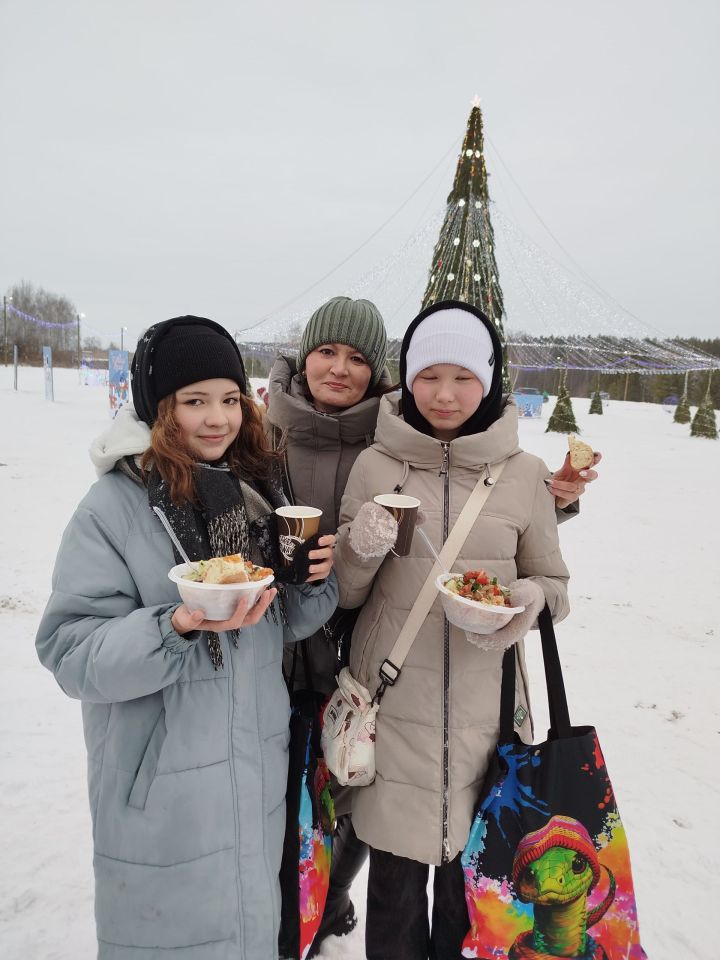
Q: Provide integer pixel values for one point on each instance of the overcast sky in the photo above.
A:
(162, 157)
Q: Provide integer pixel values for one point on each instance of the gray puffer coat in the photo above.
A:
(187, 765)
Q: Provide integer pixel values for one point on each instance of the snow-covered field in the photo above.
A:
(640, 651)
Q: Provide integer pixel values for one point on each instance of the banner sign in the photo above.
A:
(48, 372)
(118, 379)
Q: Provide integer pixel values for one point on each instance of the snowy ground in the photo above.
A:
(640, 651)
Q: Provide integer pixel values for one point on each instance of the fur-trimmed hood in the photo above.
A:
(127, 436)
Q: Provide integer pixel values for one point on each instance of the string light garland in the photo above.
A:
(38, 321)
(582, 327)
(60, 325)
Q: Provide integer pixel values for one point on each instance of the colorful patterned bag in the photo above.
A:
(547, 868)
(310, 822)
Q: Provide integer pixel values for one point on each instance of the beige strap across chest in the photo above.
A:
(390, 668)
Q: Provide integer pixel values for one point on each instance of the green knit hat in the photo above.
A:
(356, 323)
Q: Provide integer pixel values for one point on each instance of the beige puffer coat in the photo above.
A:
(438, 725)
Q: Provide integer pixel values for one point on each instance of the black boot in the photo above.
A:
(348, 855)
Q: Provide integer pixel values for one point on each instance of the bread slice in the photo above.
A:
(226, 570)
(232, 569)
(581, 455)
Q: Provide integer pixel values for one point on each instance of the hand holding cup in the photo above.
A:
(296, 524)
(405, 511)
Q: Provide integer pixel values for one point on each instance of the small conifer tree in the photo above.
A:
(704, 424)
(682, 410)
(596, 403)
(562, 419)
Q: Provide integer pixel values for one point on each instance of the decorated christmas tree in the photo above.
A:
(704, 424)
(596, 403)
(682, 411)
(562, 419)
(463, 262)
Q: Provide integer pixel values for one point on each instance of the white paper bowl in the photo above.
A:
(470, 615)
(217, 600)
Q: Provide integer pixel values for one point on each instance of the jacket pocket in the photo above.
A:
(148, 765)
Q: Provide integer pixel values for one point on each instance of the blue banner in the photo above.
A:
(118, 380)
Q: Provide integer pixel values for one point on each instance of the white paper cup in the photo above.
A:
(217, 600)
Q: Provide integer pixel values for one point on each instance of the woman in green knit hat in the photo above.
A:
(322, 411)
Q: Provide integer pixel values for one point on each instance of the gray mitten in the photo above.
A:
(373, 531)
(523, 593)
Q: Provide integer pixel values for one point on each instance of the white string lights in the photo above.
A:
(565, 318)
(566, 322)
(60, 325)
(563, 323)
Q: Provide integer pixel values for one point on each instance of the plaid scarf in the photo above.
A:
(233, 516)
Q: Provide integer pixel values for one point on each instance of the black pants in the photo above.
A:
(397, 910)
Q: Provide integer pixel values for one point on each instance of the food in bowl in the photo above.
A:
(219, 601)
(478, 586)
(230, 569)
(482, 610)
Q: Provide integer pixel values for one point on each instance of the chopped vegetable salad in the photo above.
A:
(480, 586)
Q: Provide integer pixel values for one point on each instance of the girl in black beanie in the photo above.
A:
(185, 719)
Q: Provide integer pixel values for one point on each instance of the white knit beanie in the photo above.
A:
(451, 336)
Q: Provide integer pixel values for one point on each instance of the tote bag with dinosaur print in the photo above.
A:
(546, 866)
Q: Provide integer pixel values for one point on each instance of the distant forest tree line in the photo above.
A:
(30, 338)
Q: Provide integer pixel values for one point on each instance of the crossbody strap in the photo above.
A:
(392, 665)
(557, 699)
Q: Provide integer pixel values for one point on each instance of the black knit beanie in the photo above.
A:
(177, 352)
(492, 402)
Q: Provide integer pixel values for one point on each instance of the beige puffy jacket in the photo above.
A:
(437, 727)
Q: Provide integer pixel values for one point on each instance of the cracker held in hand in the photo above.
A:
(581, 455)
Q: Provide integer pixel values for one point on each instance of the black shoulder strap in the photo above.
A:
(557, 699)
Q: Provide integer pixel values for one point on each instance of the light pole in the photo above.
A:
(80, 316)
(627, 376)
(6, 301)
(122, 332)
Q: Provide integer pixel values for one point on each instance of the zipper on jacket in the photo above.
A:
(445, 468)
(234, 785)
(445, 473)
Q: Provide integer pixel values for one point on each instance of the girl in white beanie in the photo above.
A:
(437, 726)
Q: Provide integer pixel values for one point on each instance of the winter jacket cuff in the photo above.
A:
(566, 513)
(311, 589)
(172, 641)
